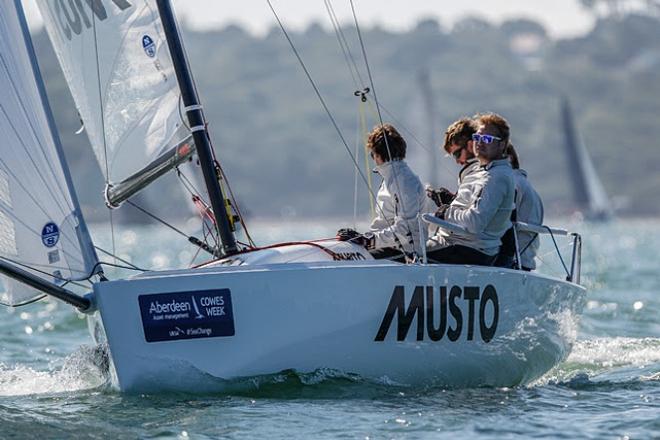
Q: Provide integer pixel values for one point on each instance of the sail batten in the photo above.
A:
(44, 239)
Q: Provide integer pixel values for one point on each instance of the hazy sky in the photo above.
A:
(560, 17)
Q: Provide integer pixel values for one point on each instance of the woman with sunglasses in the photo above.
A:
(483, 203)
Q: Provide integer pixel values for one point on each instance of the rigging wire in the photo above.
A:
(361, 91)
(352, 65)
(345, 47)
(197, 196)
(327, 110)
(235, 204)
(380, 116)
(348, 55)
(120, 266)
(555, 251)
(110, 254)
(155, 217)
(192, 239)
(30, 301)
(105, 143)
(356, 180)
(561, 258)
(43, 272)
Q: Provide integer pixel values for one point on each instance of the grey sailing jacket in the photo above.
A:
(483, 206)
(529, 209)
(400, 199)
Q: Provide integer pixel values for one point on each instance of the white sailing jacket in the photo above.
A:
(483, 205)
(529, 209)
(400, 199)
(469, 168)
(468, 172)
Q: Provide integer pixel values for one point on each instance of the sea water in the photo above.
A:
(52, 383)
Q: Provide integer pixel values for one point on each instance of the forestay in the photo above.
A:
(118, 66)
(41, 228)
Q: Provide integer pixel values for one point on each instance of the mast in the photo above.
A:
(197, 126)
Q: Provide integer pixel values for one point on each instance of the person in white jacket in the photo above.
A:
(395, 232)
(483, 203)
(458, 143)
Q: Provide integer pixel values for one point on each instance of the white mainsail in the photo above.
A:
(41, 229)
(118, 67)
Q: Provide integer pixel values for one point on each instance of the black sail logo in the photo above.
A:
(432, 309)
(74, 16)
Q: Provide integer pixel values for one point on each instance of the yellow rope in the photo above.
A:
(367, 168)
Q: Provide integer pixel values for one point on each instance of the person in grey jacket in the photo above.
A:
(483, 203)
(529, 209)
(395, 231)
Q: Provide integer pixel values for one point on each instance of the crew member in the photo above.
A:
(458, 143)
(395, 231)
(483, 203)
(529, 209)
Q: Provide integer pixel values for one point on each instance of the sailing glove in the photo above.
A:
(440, 196)
(365, 240)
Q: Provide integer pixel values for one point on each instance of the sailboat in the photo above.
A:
(305, 306)
(588, 191)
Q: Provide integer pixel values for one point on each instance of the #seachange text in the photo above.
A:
(434, 306)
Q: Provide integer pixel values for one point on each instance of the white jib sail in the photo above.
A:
(41, 229)
(598, 201)
(118, 66)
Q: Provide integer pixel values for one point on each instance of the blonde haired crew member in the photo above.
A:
(483, 204)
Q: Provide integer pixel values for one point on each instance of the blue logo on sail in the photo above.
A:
(50, 234)
(149, 46)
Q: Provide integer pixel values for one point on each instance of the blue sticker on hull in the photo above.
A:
(187, 315)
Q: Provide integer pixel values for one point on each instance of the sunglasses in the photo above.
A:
(485, 138)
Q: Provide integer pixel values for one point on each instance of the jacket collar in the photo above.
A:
(468, 164)
(385, 169)
(497, 163)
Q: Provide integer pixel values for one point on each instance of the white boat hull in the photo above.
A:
(501, 327)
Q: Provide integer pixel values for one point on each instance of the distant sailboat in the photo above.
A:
(588, 191)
